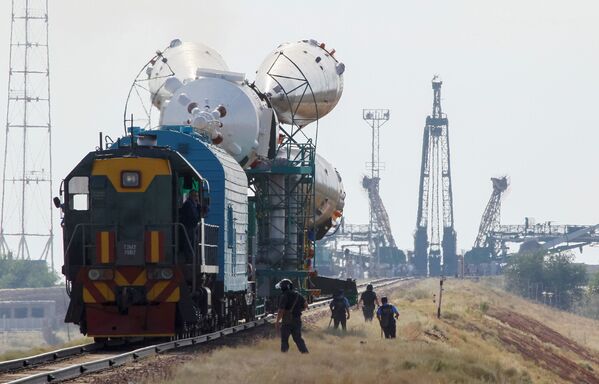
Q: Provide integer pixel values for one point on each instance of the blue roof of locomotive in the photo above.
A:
(228, 187)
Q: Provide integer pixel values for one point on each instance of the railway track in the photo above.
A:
(70, 363)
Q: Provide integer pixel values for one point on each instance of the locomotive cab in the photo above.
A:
(132, 265)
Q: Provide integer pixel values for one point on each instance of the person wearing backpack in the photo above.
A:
(340, 310)
(289, 316)
(387, 314)
(368, 299)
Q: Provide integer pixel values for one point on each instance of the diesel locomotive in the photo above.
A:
(130, 263)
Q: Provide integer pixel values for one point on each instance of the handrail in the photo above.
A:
(175, 245)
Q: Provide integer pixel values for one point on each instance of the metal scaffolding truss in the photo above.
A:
(284, 197)
(435, 237)
(26, 227)
(549, 237)
(491, 216)
(284, 193)
(379, 227)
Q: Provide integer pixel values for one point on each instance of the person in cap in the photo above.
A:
(340, 310)
(387, 315)
(368, 300)
(289, 316)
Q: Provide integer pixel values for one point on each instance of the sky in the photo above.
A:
(519, 88)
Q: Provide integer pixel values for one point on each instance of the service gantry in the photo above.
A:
(435, 236)
(491, 217)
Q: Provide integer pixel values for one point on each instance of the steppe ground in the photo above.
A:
(14, 345)
(485, 335)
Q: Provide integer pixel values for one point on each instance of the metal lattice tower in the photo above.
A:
(26, 228)
(435, 237)
(491, 217)
(379, 228)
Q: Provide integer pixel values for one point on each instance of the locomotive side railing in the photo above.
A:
(206, 247)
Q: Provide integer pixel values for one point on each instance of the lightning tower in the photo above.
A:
(435, 237)
(26, 229)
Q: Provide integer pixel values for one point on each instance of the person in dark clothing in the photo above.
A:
(190, 217)
(368, 300)
(340, 310)
(387, 314)
(289, 316)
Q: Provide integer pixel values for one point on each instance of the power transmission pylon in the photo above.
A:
(26, 212)
(435, 200)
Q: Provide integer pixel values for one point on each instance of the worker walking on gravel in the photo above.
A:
(368, 300)
(289, 316)
(387, 315)
(340, 310)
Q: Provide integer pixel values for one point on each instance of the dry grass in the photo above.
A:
(467, 345)
(359, 357)
(21, 344)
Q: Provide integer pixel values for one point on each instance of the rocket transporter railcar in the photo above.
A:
(127, 267)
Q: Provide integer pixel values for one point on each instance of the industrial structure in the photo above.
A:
(435, 236)
(492, 244)
(543, 237)
(381, 243)
(491, 218)
(365, 250)
(26, 228)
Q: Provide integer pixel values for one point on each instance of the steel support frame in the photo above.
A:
(435, 237)
(27, 81)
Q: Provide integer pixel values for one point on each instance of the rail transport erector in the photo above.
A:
(133, 267)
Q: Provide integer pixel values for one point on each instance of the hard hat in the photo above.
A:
(284, 285)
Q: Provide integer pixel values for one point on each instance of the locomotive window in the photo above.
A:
(230, 227)
(4, 313)
(78, 193)
(79, 185)
(79, 202)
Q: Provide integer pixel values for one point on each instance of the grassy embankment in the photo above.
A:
(22, 344)
(484, 335)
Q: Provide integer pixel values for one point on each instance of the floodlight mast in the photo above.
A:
(379, 227)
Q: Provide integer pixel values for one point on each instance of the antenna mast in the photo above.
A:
(26, 227)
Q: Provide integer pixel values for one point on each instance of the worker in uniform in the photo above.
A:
(340, 310)
(368, 300)
(190, 217)
(387, 315)
(289, 316)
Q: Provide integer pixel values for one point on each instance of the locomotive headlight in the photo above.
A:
(166, 273)
(93, 274)
(160, 274)
(100, 274)
(130, 179)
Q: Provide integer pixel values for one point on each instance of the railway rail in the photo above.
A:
(70, 363)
